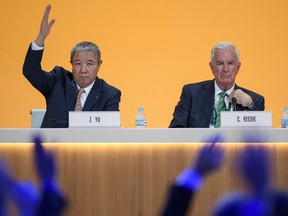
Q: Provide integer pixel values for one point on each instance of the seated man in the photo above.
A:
(201, 103)
(65, 91)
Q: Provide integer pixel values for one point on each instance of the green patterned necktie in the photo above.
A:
(221, 107)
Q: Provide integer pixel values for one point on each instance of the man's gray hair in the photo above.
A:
(86, 46)
(224, 45)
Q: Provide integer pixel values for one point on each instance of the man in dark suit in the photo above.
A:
(60, 87)
(199, 101)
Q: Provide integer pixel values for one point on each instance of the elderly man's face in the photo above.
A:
(225, 67)
(85, 67)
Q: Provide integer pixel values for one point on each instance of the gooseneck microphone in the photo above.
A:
(234, 102)
(54, 121)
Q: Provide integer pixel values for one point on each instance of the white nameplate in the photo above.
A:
(246, 119)
(94, 119)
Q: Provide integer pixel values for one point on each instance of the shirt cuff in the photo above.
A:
(35, 47)
(190, 179)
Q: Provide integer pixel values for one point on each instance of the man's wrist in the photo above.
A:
(36, 47)
(251, 106)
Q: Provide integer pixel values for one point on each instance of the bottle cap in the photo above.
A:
(286, 108)
(140, 109)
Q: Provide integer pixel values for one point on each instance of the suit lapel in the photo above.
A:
(208, 92)
(71, 94)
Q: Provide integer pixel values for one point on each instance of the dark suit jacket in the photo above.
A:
(59, 89)
(178, 201)
(195, 108)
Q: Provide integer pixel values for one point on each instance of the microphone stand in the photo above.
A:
(234, 102)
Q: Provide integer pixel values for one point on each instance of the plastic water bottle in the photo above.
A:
(140, 121)
(284, 119)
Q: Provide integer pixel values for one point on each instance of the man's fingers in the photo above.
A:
(213, 139)
(52, 23)
(46, 13)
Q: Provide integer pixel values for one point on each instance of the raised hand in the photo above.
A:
(210, 157)
(45, 27)
(44, 161)
(23, 194)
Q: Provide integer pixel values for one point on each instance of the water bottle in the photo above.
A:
(140, 121)
(284, 119)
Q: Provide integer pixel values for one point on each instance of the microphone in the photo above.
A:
(234, 102)
(54, 121)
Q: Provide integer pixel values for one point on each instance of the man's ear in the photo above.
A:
(211, 66)
(239, 65)
(99, 63)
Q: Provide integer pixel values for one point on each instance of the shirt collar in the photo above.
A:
(218, 90)
(88, 88)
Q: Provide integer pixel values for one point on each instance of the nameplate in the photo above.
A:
(246, 119)
(94, 119)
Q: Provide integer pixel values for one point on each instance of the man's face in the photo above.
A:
(225, 67)
(85, 67)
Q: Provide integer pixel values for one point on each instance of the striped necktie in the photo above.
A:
(78, 106)
(220, 107)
